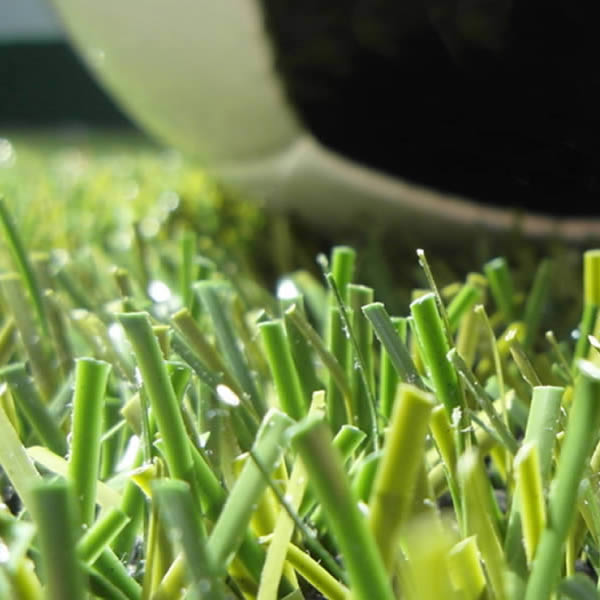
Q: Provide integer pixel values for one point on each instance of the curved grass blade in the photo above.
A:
(17, 250)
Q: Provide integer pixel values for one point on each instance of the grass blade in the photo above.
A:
(465, 568)
(285, 375)
(363, 562)
(362, 384)
(229, 530)
(337, 415)
(17, 250)
(392, 342)
(101, 534)
(207, 292)
(15, 462)
(35, 411)
(542, 426)
(177, 504)
(398, 469)
(582, 428)
(315, 574)
(54, 514)
(531, 497)
(536, 302)
(343, 259)
(485, 402)
(470, 294)
(84, 461)
(388, 377)
(358, 360)
(33, 342)
(477, 511)
(161, 394)
(501, 286)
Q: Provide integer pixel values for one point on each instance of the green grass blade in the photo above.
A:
(521, 359)
(34, 343)
(591, 277)
(426, 573)
(208, 294)
(530, 497)
(101, 534)
(591, 302)
(470, 294)
(339, 407)
(477, 511)
(501, 286)
(114, 571)
(285, 375)
(466, 571)
(338, 411)
(35, 411)
(388, 377)
(362, 384)
(177, 504)
(434, 348)
(161, 394)
(15, 461)
(485, 402)
(106, 496)
(358, 363)
(17, 250)
(91, 377)
(536, 302)
(315, 574)
(301, 351)
(8, 340)
(282, 535)
(424, 263)
(392, 342)
(187, 271)
(343, 259)
(54, 514)
(229, 530)
(542, 427)
(363, 562)
(582, 428)
(396, 477)
(188, 327)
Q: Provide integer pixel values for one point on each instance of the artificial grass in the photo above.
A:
(170, 428)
